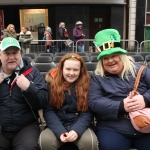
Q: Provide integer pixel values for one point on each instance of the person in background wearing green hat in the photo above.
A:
(22, 93)
(110, 95)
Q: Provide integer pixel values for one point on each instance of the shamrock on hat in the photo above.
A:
(108, 42)
(9, 42)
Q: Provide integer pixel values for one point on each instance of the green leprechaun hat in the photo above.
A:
(108, 42)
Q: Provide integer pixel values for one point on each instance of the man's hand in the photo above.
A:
(22, 82)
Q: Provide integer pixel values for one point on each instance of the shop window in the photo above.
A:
(34, 19)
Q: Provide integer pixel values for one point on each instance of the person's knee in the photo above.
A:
(88, 141)
(4, 142)
(44, 139)
(48, 140)
(28, 145)
(88, 145)
(32, 147)
(113, 140)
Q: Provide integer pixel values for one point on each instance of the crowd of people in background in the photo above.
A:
(78, 34)
(25, 37)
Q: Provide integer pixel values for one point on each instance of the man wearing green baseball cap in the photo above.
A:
(111, 97)
(22, 93)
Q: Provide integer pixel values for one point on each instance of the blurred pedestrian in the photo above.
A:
(25, 39)
(48, 36)
(78, 35)
(62, 35)
(10, 31)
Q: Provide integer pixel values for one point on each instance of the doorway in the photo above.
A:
(99, 19)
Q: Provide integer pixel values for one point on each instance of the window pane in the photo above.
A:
(148, 5)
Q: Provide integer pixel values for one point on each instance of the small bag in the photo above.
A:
(140, 119)
(68, 42)
(44, 37)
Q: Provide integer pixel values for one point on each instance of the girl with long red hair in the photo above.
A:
(68, 117)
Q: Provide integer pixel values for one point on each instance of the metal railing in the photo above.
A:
(38, 46)
(85, 40)
(129, 45)
(146, 47)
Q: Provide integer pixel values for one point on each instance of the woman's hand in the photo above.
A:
(63, 137)
(127, 101)
(134, 102)
(69, 136)
(137, 103)
(72, 136)
(83, 35)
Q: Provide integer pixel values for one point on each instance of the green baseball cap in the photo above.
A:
(108, 42)
(9, 42)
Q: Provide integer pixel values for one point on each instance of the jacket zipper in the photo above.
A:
(11, 112)
(14, 81)
(12, 84)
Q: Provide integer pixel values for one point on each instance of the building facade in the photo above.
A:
(95, 15)
(127, 16)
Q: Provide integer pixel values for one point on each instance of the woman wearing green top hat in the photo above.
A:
(110, 95)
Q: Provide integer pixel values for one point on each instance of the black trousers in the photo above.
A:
(25, 139)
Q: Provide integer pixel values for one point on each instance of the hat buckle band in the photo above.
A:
(107, 45)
